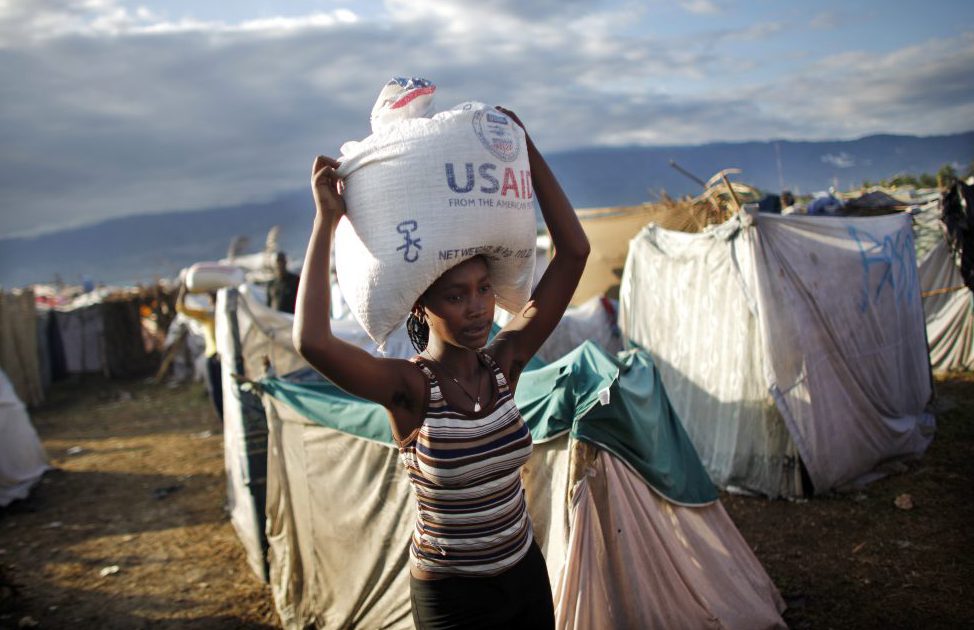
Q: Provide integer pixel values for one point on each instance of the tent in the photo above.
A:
(788, 345)
(623, 510)
(947, 301)
(250, 338)
(22, 457)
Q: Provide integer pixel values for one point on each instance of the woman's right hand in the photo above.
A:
(327, 188)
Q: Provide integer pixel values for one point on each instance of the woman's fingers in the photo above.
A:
(322, 162)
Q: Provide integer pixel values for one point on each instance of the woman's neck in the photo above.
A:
(459, 360)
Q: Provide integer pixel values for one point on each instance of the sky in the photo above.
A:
(115, 107)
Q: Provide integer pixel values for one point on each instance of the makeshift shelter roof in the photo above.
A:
(787, 337)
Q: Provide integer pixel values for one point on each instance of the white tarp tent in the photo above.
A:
(22, 457)
(949, 309)
(779, 336)
(948, 304)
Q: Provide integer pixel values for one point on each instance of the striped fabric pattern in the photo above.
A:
(465, 469)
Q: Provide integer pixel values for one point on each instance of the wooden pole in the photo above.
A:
(730, 189)
(932, 292)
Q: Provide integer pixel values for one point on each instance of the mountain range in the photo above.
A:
(142, 248)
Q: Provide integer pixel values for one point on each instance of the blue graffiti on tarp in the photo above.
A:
(896, 255)
(406, 228)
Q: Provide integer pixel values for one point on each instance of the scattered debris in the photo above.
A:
(202, 435)
(75, 450)
(904, 502)
(53, 525)
(110, 570)
(858, 547)
(27, 622)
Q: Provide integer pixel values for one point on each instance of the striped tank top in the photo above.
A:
(465, 470)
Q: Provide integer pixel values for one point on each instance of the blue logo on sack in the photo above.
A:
(406, 228)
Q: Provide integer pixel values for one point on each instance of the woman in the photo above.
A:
(474, 562)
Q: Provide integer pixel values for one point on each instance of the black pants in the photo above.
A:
(214, 384)
(518, 598)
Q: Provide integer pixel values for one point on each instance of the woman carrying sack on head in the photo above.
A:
(474, 561)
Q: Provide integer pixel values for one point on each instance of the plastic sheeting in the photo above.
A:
(683, 300)
(82, 335)
(949, 310)
(22, 458)
(824, 317)
(248, 334)
(19, 354)
(638, 561)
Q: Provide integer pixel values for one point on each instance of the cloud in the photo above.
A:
(109, 111)
(839, 160)
(921, 89)
(700, 7)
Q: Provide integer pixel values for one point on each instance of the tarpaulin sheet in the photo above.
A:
(638, 561)
(683, 300)
(827, 320)
(949, 311)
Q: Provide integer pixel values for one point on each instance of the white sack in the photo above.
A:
(203, 277)
(425, 194)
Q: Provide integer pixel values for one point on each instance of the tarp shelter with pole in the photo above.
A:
(787, 341)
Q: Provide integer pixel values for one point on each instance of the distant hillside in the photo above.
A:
(140, 248)
(600, 177)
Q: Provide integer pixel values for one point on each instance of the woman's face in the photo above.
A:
(460, 304)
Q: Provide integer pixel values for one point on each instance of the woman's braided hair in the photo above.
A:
(418, 330)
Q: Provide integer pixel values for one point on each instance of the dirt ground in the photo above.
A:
(130, 531)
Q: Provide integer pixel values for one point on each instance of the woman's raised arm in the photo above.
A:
(393, 383)
(516, 344)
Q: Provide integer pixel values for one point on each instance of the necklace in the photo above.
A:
(475, 401)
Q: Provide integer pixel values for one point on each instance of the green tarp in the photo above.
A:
(616, 403)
